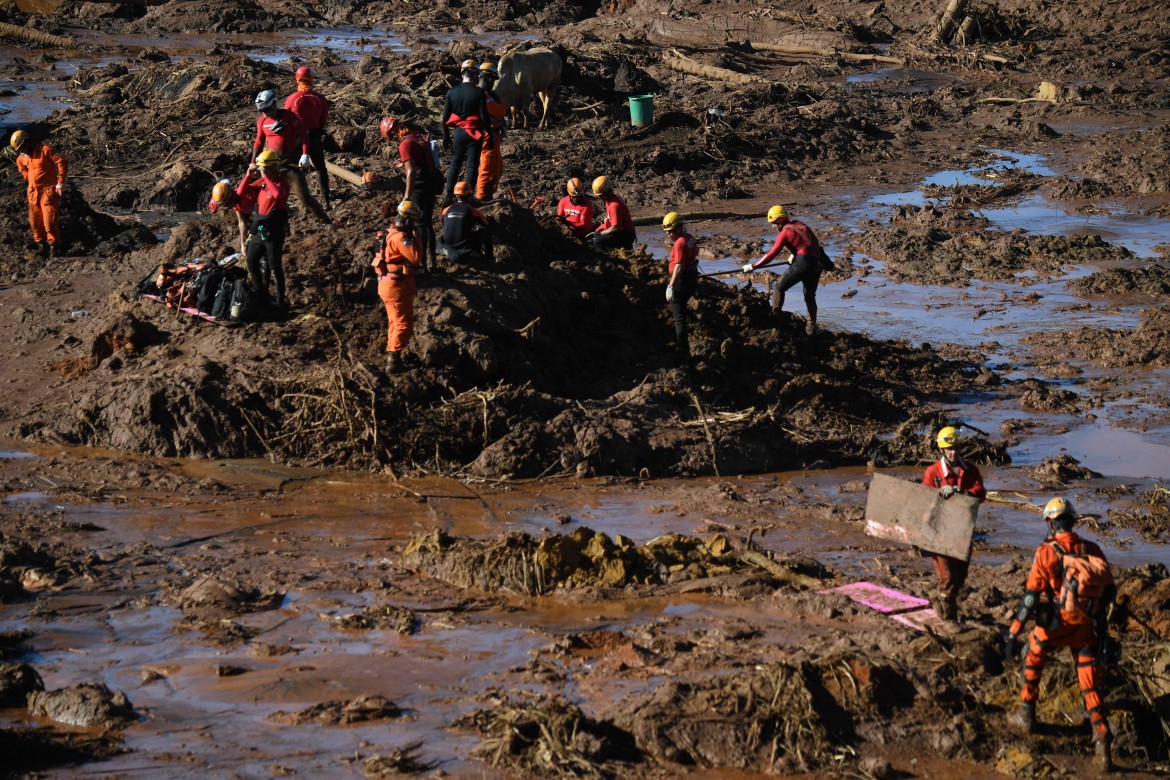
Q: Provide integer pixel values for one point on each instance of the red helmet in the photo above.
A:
(304, 73)
(388, 126)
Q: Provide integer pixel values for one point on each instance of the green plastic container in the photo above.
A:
(641, 110)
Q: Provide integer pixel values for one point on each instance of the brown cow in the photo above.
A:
(527, 73)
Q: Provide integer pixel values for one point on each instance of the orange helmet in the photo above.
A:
(573, 187)
(463, 189)
(221, 195)
(369, 179)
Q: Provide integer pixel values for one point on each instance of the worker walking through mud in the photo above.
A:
(1068, 591)
(423, 177)
(466, 237)
(43, 169)
(616, 230)
(950, 475)
(312, 108)
(268, 189)
(465, 126)
(575, 211)
(279, 131)
(684, 278)
(805, 263)
(396, 265)
(491, 159)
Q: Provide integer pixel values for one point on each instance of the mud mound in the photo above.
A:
(1151, 279)
(247, 16)
(519, 563)
(212, 599)
(914, 443)
(549, 737)
(1061, 470)
(17, 559)
(363, 709)
(82, 228)
(17, 681)
(1146, 345)
(384, 617)
(1136, 164)
(30, 751)
(87, 704)
(932, 255)
(1145, 596)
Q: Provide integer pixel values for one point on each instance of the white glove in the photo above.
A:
(747, 269)
(305, 161)
(60, 188)
(946, 491)
(670, 293)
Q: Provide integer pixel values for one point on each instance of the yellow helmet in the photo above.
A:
(1058, 507)
(777, 213)
(672, 221)
(408, 209)
(267, 158)
(489, 69)
(467, 65)
(948, 437)
(601, 186)
(573, 187)
(18, 139)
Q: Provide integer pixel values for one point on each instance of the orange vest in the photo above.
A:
(400, 256)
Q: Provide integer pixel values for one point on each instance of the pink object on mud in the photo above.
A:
(886, 600)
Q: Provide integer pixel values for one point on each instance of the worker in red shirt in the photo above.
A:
(396, 265)
(616, 231)
(1069, 590)
(280, 131)
(44, 170)
(804, 263)
(575, 210)
(266, 186)
(223, 197)
(491, 159)
(312, 108)
(424, 180)
(950, 475)
(465, 117)
(684, 277)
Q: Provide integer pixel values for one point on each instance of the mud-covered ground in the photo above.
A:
(586, 655)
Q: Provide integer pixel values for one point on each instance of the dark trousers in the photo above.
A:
(684, 290)
(615, 239)
(317, 155)
(803, 270)
(464, 149)
(300, 188)
(267, 243)
(424, 197)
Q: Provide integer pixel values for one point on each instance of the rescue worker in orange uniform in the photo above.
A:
(465, 230)
(423, 177)
(949, 475)
(396, 265)
(268, 189)
(224, 197)
(684, 277)
(491, 159)
(575, 210)
(804, 265)
(312, 108)
(1076, 620)
(616, 231)
(280, 131)
(44, 170)
(465, 117)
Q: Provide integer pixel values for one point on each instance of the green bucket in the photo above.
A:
(641, 110)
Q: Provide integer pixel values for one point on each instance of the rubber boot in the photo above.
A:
(393, 362)
(810, 327)
(52, 252)
(1023, 720)
(946, 609)
(1103, 757)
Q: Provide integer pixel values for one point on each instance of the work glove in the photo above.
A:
(1010, 648)
(305, 162)
(946, 491)
(60, 188)
(669, 293)
(748, 268)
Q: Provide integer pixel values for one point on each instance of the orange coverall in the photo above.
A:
(1076, 630)
(43, 169)
(396, 266)
(491, 158)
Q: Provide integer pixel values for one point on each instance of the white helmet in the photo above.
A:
(265, 100)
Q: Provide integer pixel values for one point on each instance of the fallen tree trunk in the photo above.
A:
(16, 32)
(809, 50)
(778, 571)
(698, 217)
(687, 65)
(343, 173)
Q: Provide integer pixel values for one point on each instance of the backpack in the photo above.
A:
(1084, 580)
(221, 306)
(241, 301)
(208, 282)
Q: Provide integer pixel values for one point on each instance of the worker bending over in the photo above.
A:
(575, 211)
(805, 263)
(466, 237)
